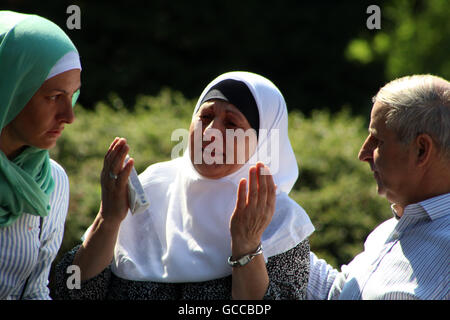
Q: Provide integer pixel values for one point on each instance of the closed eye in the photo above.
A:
(205, 117)
(231, 124)
(376, 141)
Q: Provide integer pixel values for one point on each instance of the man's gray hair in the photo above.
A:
(418, 104)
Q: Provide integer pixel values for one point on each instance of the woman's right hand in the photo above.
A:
(114, 182)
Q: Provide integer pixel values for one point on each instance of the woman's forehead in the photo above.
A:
(64, 81)
(220, 105)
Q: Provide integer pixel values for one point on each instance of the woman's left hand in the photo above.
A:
(253, 211)
(114, 181)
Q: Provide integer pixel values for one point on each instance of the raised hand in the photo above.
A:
(97, 250)
(253, 211)
(114, 181)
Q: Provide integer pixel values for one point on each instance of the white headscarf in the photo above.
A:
(184, 236)
(69, 61)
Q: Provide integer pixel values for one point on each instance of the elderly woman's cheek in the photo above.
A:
(195, 141)
(251, 144)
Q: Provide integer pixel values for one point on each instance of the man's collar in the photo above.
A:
(433, 207)
(438, 206)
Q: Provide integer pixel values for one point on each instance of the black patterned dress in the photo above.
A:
(288, 278)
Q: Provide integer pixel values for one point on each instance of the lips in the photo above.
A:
(214, 153)
(55, 132)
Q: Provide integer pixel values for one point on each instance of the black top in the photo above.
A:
(288, 279)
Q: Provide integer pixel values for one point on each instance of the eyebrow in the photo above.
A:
(373, 132)
(239, 115)
(64, 91)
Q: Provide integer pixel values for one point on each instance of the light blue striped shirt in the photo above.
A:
(406, 258)
(22, 254)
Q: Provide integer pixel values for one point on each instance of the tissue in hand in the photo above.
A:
(136, 195)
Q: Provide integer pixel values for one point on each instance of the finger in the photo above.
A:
(111, 155)
(107, 160)
(111, 147)
(116, 139)
(241, 194)
(271, 190)
(118, 155)
(122, 177)
(240, 203)
(252, 196)
(262, 185)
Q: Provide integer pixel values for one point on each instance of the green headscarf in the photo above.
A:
(29, 47)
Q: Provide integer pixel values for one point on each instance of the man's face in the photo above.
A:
(391, 161)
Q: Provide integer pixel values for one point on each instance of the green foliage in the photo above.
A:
(334, 187)
(414, 39)
(420, 41)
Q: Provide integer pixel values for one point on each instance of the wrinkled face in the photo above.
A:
(220, 140)
(391, 161)
(42, 120)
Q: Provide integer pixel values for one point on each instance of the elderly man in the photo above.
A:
(408, 150)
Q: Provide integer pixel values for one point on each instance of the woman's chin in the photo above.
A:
(46, 144)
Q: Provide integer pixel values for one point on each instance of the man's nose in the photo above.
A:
(365, 153)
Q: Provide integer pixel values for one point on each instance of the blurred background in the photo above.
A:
(146, 62)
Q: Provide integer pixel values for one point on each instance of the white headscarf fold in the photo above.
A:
(184, 235)
(71, 60)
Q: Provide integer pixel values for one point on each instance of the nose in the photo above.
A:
(365, 153)
(66, 113)
(215, 124)
(214, 130)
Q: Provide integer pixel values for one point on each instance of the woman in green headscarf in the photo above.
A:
(39, 84)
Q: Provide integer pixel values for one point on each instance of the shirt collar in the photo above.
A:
(435, 207)
(438, 206)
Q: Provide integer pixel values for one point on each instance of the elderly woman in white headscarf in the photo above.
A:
(220, 223)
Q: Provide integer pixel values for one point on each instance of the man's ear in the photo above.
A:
(424, 148)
